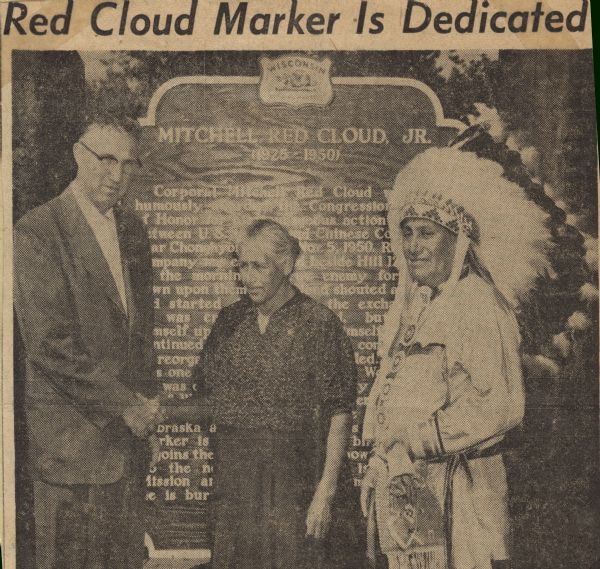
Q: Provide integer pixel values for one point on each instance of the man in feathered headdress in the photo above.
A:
(468, 244)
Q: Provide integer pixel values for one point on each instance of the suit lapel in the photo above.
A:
(128, 262)
(85, 246)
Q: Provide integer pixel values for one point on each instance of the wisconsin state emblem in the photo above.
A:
(295, 80)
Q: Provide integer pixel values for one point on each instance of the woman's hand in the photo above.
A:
(318, 519)
(367, 487)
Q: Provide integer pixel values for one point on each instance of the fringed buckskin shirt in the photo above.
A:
(452, 385)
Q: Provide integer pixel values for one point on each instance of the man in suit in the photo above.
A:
(82, 289)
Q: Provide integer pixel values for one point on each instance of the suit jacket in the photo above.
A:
(86, 358)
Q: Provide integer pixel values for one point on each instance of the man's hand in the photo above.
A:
(318, 518)
(143, 416)
(395, 435)
(154, 442)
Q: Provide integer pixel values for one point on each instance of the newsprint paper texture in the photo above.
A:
(299, 284)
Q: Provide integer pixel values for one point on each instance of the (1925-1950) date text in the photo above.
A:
(282, 154)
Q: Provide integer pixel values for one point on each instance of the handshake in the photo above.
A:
(143, 416)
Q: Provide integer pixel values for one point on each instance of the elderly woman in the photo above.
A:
(279, 380)
(449, 387)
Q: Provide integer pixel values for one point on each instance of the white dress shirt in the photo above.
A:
(104, 227)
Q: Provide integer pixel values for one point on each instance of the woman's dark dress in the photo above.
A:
(272, 396)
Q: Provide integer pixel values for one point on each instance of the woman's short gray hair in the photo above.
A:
(282, 242)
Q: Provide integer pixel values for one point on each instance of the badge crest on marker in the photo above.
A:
(296, 81)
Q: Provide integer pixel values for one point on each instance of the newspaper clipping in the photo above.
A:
(299, 284)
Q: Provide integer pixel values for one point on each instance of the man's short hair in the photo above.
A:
(124, 124)
(283, 243)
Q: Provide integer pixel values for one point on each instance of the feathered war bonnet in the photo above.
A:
(497, 226)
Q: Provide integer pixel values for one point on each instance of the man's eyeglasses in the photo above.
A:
(109, 161)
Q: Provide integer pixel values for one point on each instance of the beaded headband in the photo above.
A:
(443, 212)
